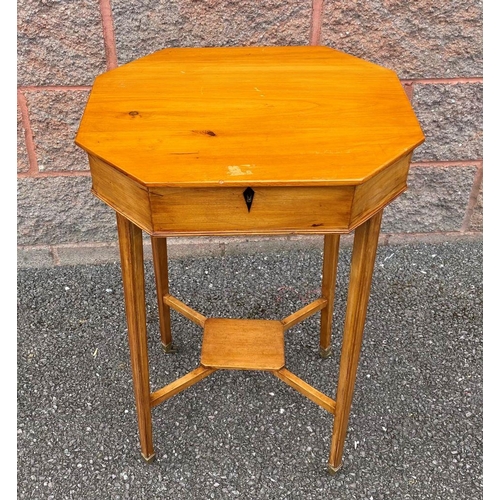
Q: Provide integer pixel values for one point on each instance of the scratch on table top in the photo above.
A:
(236, 170)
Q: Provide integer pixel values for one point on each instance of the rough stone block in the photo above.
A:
(476, 221)
(55, 210)
(431, 238)
(34, 257)
(145, 26)
(23, 163)
(59, 42)
(436, 201)
(72, 255)
(246, 22)
(451, 117)
(55, 116)
(417, 39)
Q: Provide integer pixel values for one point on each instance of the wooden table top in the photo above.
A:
(249, 116)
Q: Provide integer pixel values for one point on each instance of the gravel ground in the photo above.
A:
(415, 430)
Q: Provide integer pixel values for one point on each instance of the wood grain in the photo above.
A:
(185, 310)
(273, 210)
(379, 191)
(306, 390)
(160, 266)
(249, 116)
(303, 313)
(132, 264)
(243, 344)
(323, 138)
(362, 263)
(331, 247)
(116, 189)
(180, 384)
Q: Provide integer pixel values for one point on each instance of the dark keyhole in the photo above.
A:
(248, 195)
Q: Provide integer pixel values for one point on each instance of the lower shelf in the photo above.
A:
(243, 344)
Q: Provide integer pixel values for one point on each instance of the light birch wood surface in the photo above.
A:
(323, 142)
(239, 116)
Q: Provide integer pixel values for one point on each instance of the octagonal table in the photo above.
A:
(248, 141)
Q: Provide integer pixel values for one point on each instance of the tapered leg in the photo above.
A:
(362, 263)
(160, 263)
(330, 263)
(132, 263)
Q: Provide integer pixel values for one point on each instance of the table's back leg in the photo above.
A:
(330, 263)
(132, 264)
(160, 263)
(362, 264)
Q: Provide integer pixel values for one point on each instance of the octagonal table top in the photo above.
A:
(240, 116)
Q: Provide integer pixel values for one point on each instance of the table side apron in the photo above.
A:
(183, 211)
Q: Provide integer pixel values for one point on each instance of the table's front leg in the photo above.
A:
(132, 263)
(362, 264)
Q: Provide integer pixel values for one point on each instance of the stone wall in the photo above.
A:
(434, 46)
